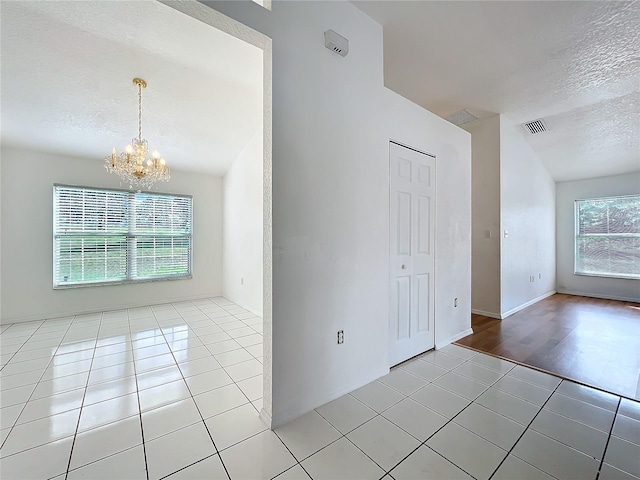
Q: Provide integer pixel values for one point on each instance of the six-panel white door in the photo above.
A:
(412, 217)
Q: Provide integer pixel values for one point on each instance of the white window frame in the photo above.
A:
(132, 238)
(578, 237)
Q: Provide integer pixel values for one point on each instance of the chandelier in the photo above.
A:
(133, 166)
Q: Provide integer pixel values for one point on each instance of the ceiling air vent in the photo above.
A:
(535, 127)
(461, 117)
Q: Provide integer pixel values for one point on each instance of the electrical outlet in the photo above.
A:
(340, 337)
(455, 302)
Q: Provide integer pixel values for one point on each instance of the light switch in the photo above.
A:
(487, 234)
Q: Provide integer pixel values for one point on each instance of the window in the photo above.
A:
(115, 236)
(608, 237)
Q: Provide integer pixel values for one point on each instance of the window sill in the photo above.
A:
(605, 275)
(120, 282)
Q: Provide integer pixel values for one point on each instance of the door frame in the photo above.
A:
(212, 17)
(435, 237)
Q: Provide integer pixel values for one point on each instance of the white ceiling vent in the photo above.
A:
(536, 126)
(461, 117)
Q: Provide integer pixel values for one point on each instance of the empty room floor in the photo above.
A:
(590, 340)
(174, 391)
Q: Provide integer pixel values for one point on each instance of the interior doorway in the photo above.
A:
(261, 146)
(412, 197)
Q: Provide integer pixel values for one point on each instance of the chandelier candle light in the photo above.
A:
(132, 165)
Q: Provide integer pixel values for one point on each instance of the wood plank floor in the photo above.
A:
(592, 341)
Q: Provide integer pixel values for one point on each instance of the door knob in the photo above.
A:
(403, 266)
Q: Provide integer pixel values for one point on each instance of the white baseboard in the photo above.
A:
(456, 337)
(33, 318)
(528, 304)
(252, 310)
(486, 314)
(266, 418)
(255, 312)
(287, 416)
(597, 295)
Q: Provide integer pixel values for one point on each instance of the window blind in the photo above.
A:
(111, 236)
(608, 237)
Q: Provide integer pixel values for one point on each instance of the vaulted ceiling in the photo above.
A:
(575, 64)
(67, 70)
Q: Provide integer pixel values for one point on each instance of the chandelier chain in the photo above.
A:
(139, 112)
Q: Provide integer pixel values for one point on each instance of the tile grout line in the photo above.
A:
(290, 468)
(192, 464)
(184, 379)
(23, 344)
(135, 375)
(569, 419)
(344, 435)
(404, 396)
(298, 462)
(225, 369)
(84, 394)
(525, 431)
(606, 445)
(221, 353)
(135, 370)
(380, 414)
(191, 394)
(234, 383)
(424, 443)
(35, 384)
(578, 421)
(218, 452)
(223, 331)
(465, 360)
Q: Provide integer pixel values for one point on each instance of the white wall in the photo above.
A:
(527, 194)
(485, 208)
(27, 208)
(332, 122)
(242, 228)
(566, 194)
(409, 124)
(1, 229)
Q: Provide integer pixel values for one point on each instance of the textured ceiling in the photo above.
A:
(574, 64)
(67, 70)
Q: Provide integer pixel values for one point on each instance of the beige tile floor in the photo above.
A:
(174, 391)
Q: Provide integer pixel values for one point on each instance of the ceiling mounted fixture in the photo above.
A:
(336, 43)
(535, 126)
(132, 165)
